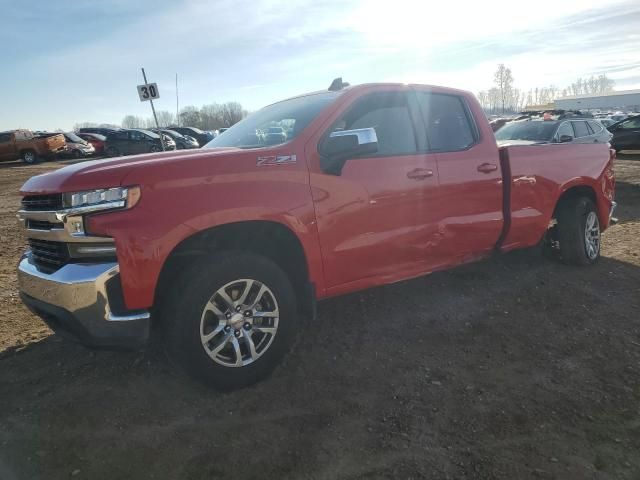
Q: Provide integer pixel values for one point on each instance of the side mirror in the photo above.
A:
(566, 138)
(344, 144)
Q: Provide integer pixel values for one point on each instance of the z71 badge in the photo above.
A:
(276, 160)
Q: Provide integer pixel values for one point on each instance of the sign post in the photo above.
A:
(149, 91)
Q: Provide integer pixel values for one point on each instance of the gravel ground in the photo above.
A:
(512, 368)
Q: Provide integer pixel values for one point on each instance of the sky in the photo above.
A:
(69, 61)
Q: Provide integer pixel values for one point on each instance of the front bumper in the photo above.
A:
(84, 302)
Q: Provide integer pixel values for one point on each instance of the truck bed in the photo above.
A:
(538, 175)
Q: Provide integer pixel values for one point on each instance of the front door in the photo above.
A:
(627, 135)
(373, 218)
(470, 192)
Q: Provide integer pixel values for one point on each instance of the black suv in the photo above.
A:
(202, 137)
(626, 134)
(132, 142)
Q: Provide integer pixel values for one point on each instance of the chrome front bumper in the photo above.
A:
(77, 300)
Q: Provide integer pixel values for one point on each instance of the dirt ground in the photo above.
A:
(512, 368)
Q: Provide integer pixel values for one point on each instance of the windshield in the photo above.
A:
(73, 138)
(275, 124)
(535, 131)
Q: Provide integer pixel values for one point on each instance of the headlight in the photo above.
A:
(103, 199)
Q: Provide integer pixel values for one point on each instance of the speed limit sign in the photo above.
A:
(148, 91)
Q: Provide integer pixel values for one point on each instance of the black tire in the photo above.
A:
(29, 157)
(573, 215)
(76, 154)
(155, 149)
(182, 310)
(112, 152)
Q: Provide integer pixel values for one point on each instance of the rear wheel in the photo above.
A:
(578, 231)
(29, 157)
(230, 318)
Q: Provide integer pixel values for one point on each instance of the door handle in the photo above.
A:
(419, 173)
(487, 168)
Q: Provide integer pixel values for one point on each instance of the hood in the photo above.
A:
(109, 172)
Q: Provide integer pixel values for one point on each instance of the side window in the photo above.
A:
(631, 124)
(5, 137)
(388, 114)
(595, 126)
(137, 136)
(120, 136)
(565, 128)
(448, 123)
(581, 128)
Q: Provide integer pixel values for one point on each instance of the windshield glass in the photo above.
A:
(535, 131)
(73, 138)
(275, 124)
(172, 133)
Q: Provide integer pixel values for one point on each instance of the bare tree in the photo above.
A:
(483, 98)
(165, 118)
(190, 117)
(504, 82)
(131, 121)
(232, 113)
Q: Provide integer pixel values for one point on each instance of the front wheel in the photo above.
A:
(155, 149)
(579, 231)
(230, 318)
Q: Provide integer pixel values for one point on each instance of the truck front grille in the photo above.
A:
(49, 256)
(43, 225)
(42, 202)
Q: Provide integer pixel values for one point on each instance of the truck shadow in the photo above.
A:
(495, 345)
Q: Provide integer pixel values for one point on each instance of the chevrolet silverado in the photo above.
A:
(225, 250)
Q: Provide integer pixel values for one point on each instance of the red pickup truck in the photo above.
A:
(226, 249)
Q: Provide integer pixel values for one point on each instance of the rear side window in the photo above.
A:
(448, 123)
(581, 129)
(595, 126)
(388, 114)
(5, 137)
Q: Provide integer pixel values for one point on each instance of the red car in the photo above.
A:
(227, 248)
(96, 140)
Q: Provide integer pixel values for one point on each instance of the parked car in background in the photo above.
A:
(100, 130)
(31, 148)
(201, 137)
(96, 140)
(275, 136)
(626, 134)
(227, 249)
(606, 122)
(553, 131)
(182, 142)
(77, 147)
(618, 117)
(133, 141)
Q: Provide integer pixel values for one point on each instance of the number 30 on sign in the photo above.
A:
(148, 91)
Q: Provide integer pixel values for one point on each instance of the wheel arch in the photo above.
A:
(268, 238)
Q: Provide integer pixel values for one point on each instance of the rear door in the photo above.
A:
(583, 133)
(470, 193)
(7, 149)
(374, 218)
